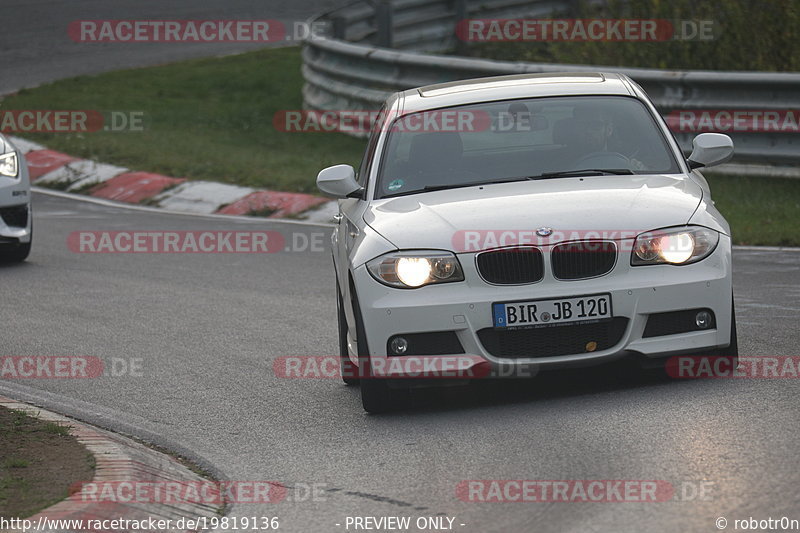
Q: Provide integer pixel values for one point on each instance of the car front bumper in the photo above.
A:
(15, 206)
(466, 308)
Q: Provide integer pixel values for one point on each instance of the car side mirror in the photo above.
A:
(339, 181)
(709, 149)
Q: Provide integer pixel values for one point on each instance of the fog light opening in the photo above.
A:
(703, 319)
(399, 346)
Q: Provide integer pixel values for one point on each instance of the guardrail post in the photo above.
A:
(461, 13)
(339, 29)
(383, 23)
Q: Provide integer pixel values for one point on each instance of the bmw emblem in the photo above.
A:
(544, 232)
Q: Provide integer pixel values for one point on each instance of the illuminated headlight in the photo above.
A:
(674, 246)
(8, 165)
(409, 270)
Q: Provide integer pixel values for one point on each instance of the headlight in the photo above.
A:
(674, 246)
(409, 270)
(8, 165)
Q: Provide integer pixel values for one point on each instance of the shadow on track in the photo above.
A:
(619, 376)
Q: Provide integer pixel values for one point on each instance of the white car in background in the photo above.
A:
(16, 225)
(565, 229)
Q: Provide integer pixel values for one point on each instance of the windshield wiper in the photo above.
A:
(583, 172)
(563, 174)
(471, 184)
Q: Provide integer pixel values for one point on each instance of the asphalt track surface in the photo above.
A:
(206, 329)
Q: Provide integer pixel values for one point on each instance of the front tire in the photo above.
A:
(376, 395)
(348, 370)
(15, 253)
(732, 351)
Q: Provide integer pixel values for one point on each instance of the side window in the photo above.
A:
(372, 143)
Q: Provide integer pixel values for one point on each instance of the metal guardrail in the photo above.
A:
(349, 71)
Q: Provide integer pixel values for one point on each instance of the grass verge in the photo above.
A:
(203, 119)
(39, 461)
(761, 211)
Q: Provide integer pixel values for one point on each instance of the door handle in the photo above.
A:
(338, 217)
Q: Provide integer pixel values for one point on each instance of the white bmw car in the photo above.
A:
(531, 221)
(15, 204)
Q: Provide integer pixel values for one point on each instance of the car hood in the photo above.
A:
(605, 206)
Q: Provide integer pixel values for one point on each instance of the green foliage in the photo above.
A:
(760, 210)
(748, 35)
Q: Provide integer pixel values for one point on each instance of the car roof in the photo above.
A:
(516, 86)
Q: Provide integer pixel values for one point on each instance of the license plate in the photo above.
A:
(543, 313)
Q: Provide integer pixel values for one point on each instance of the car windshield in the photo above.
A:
(536, 138)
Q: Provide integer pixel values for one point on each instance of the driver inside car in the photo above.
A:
(595, 129)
